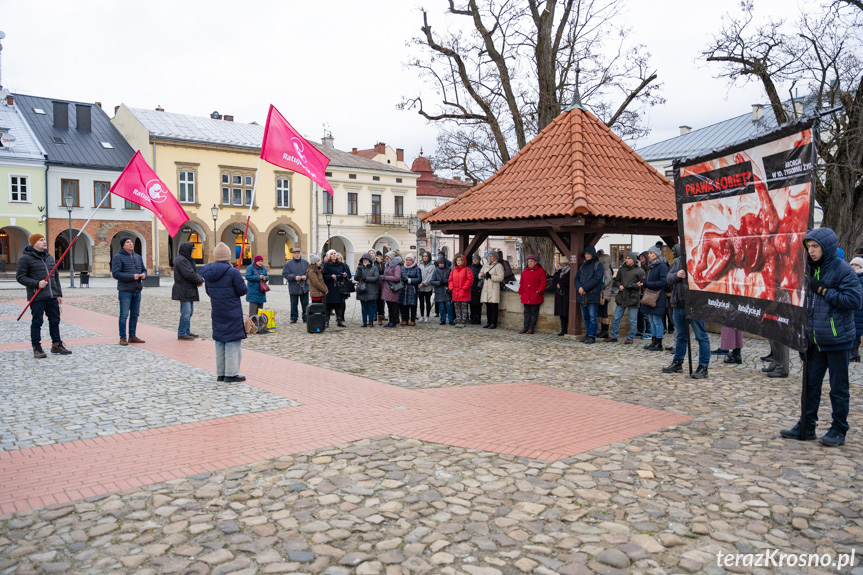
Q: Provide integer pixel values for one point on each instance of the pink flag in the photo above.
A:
(285, 148)
(139, 184)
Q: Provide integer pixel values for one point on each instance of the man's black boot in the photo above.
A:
(675, 367)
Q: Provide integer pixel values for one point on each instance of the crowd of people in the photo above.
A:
(404, 291)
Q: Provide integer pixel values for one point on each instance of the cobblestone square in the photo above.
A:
(327, 486)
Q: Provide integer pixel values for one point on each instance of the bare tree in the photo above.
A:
(504, 69)
(822, 52)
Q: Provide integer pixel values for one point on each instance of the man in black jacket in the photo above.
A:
(129, 270)
(33, 267)
(185, 290)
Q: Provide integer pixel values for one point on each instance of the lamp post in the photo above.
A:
(67, 200)
(215, 212)
(329, 217)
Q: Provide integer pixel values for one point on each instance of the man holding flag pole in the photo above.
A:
(139, 184)
(33, 272)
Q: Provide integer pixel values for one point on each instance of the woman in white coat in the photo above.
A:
(491, 276)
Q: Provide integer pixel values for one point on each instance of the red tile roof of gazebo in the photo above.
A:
(575, 166)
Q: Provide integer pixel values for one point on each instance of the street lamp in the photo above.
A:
(68, 201)
(329, 217)
(215, 212)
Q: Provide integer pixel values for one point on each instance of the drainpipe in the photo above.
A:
(315, 218)
(46, 199)
(155, 227)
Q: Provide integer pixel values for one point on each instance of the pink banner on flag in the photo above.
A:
(285, 148)
(139, 184)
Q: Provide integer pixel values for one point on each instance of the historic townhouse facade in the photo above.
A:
(84, 156)
(373, 205)
(209, 163)
(22, 179)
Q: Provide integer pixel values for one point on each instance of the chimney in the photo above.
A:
(228, 118)
(380, 148)
(354, 151)
(82, 117)
(61, 115)
(159, 108)
(757, 112)
(328, 140)
(400, 155)
(216, 116)
(685, 130)
(115, 110)
(798, 109)
(10, 100)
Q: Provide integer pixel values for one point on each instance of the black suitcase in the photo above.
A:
(316, 318)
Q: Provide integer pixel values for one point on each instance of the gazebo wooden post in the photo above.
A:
(463, 242)
(576, 244)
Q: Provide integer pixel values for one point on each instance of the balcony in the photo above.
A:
(390, 220)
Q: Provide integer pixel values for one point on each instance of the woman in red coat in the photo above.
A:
(533, 282)
(460, 283)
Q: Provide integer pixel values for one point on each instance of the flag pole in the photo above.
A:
(72, 243)
(248, 217)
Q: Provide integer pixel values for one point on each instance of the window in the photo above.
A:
(101, 190)
(618, 254)
(328, 174)
(187, 187)
(352, 176)
(39, 111)
(107, 145)
(58, 140)
(327, 202)
(69, 187)
(283, 193)
(398, 180)
(237, 189)
(376, 178)
(376, 208)
(352, 204)
(399, 207)
(130, 205)
(19, 189)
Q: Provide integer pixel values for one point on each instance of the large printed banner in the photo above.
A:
(743, 213)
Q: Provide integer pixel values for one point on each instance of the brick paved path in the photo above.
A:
(520, 419)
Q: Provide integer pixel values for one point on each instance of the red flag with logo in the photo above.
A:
(285, 148)
(139, 184)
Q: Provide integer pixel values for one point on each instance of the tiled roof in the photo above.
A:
(83, 148)
(206, 130)
(26, 146)
(442, 187)
(717, 136)
(201, 129)
(576, 165)
(340, 159)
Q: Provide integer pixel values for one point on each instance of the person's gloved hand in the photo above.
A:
(488, 275)
(817, 286)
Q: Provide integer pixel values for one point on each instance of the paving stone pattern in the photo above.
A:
(395, 506)
(15, 331)
(661, 503)
(107, 389)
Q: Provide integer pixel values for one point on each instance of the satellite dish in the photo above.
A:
(8, 140)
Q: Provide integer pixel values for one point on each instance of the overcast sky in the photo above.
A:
(333, 62)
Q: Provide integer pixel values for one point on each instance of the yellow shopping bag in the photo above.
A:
(270, 314)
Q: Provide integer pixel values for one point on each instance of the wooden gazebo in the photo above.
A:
(575, 181)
